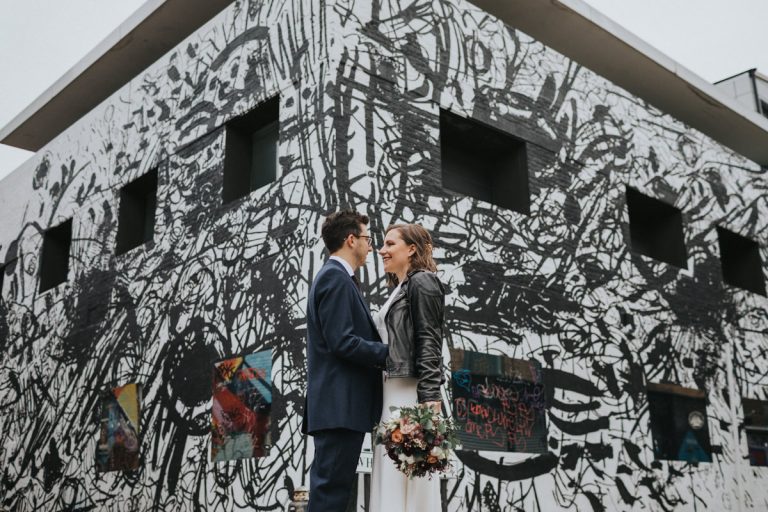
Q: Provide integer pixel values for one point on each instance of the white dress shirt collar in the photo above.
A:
(346, 265)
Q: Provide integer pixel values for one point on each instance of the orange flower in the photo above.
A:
(397, 436)
(432, 459)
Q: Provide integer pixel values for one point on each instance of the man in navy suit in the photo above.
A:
(345, 357)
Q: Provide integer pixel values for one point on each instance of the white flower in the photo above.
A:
(437, 452)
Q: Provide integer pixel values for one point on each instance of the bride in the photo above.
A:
(411, 323)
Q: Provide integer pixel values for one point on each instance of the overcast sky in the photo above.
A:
(41, 39)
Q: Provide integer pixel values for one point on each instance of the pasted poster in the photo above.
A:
(498, 402)
(242, 401)
(118, 447)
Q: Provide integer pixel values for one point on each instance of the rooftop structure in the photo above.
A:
(749, 88)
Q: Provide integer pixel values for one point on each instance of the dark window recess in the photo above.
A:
(764, 108)
(136, 220)
(2, 279)
(498, 402)
(250, 159)
(740, 260)
(656, 228)
(756, 428)
(679, 423)
(484, 163)
(54, 260)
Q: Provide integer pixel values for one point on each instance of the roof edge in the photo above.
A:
(570, 27)
(580, 32)
(148, 34)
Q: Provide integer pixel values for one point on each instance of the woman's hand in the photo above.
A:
(437, 406)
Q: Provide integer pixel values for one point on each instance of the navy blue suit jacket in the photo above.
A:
(344, 355)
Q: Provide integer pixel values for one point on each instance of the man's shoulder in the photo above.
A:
(332, 266)
(329, 272)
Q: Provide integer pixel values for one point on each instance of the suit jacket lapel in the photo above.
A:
(359, 295)
(365, 306)
(367, 310)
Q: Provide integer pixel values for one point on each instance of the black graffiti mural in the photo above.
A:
(360, 87)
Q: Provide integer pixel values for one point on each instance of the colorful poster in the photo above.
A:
(118, 448)
(242, 402)
(498, 402)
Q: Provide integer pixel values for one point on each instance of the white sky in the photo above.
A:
(713, 38)
(41, 39)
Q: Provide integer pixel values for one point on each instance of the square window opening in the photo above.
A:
(740, 261)
(756, 430)
(484, 163)
(656, 229)
(679, 425)
(250, 158)
(136, 219)
(54, 261)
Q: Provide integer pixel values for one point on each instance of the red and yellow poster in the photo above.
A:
(242, 402)
(118, 447)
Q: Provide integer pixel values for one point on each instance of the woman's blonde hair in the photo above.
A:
(421, 259)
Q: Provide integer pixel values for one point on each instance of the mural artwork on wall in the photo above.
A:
(119, 441)
(242, 400)
(553, 290)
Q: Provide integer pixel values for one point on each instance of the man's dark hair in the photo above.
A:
(339, 225)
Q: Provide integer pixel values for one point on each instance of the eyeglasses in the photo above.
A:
(369, 239)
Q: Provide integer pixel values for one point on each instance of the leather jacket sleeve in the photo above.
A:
(427, 298)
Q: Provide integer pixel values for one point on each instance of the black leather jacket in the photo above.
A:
(415, 331)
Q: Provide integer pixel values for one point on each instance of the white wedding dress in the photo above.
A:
(392, 491)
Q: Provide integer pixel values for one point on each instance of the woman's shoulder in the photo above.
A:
(426, 281)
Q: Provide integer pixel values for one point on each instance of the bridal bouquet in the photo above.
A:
(418, 440)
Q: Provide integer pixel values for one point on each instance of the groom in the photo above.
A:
(344, 361)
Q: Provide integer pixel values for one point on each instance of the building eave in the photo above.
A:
(153, 30)
(583, 34)
(570, 27)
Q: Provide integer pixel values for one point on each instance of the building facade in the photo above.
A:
(601, 264)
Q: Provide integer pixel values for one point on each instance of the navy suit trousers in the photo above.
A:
(332, 475)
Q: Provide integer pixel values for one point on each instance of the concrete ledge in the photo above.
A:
(157, 27)
(578, 31)
(570, 27)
